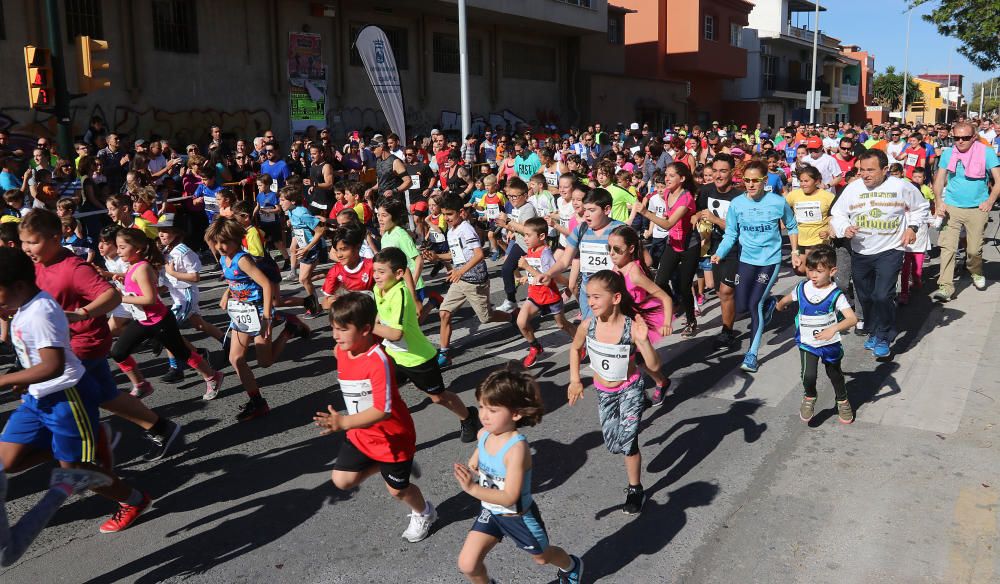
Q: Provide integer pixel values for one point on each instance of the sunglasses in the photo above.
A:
(192, 149)
(962, 138)
(617, 250)
(753, 181)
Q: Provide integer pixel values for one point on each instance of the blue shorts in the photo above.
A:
(64, 422)
(705, 264)
(527, 530)
(99, 372)
(313, 256)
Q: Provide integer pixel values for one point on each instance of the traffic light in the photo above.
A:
(93, 65)
(38, 73)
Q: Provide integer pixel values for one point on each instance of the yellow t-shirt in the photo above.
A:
(145, 226)
(253, 243)
(812, 212)
(10, 219)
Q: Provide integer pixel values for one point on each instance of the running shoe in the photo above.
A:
(173, 375)
(507, 306)
(660, 393)
(690, 328)
(881, 349)
(979, 282)
(213, 386)
(79, 479)
(699, 300)
(443, 359)
(941, 295)
(470, 426)
(726, 338)
(807, 409)
(142, 389)
(646, 401)
(769, 305)
(845, 413)
(495, 255)
(254, 408)
(533, 353)
(749, 363)
(575, 575)
(860, 327)
(160, 445)
(635, 498)
(298, 328)
(125, 515)
(286, 266)
(312, 307)
(420, 525)
(870, 343)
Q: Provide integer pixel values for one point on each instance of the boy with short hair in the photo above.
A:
(378, 424)
(307, 229)
(414, 355)
(351, 272)
(269, 216)
(120, 211)
(81, 247)
(469, 280)
(542, 298)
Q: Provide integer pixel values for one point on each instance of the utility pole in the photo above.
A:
(64, 136)
(982, 95)
(813, 102)
(463, 68)
(906, 66)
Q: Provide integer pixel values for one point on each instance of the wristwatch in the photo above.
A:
(913, 227)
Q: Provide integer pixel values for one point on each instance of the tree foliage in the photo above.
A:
(976, 23)
(887, 89)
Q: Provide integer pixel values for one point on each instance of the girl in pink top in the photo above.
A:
(151, 318)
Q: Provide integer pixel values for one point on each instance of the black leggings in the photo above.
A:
(135, 333)
(686, 264)
(810, 366)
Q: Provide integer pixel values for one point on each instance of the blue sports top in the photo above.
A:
(493, 475)
(756, 224)
(241, 286)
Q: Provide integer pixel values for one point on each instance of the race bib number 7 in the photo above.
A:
(357, 394)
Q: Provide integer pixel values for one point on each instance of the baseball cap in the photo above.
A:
(634, 126)
(814, 143)
(743, 127)
(376, 141)
(166, 220)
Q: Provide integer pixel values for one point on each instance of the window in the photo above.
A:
(735, 34)
(709, 27)
(769, 69)
(175, 27)
(616, 29)
(532, 62)
(398, 40)
(83, 18)
(580, 3)
(446, 59)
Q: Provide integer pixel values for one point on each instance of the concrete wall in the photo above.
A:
(605, 101)
(769, 16)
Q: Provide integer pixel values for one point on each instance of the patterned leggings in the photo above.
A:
(620, 412)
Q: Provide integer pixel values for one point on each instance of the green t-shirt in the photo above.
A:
(397, 310)
(398, 237)
(621, 203)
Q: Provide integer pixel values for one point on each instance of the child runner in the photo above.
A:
(415, 357)
(656, 306)
(120, 211)
(754, 220)
(612, 333)
(58, 413)
(468, 278)
(380, 432)
(307, 230)
(151, 319)
(544, 299)
(181, 274)
(823, 314)
(812, 212)
(351, 272)
(499, 475)
(81, 247)
(492, 204)
(113, 271)
(251, 311)
(391, 219)
(348, 217)
(270, 217)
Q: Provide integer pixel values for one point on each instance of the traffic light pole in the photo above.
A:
(64, 137)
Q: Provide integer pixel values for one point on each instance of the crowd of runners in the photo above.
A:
(623, 236)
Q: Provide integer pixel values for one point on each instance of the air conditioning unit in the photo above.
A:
(765, 49)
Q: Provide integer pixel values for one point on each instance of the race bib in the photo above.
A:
(357, 395)
(415, 180)
(492, 211)
(808, 212)
(211, 204)
(594, 257)
(133, 310)
(457, 254)
(551, 179)
(911, 159)
(436, 236)
(812, 325)
(244, 316)
(274, 186)
(608, 361)
(488, 481)
(634, 149)
(300, 236)
(536, 264)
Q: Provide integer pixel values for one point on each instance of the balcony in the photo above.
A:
(848, 94)
(773, 86)
(806, 36)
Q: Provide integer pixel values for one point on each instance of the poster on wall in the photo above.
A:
(306, 81)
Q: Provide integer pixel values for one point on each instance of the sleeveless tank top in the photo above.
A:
(493, 475)
(813, 318)
(387, 179)
(242, 287)
(153, 313)
(610, 361)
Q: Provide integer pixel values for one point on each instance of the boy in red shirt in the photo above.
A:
(351, 272)
(542, 298)
(379, 427)
(913, 156)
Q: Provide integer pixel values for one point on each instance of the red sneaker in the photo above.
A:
(125, 515)
(533, 353)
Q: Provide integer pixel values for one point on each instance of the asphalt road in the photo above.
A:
(740, 489)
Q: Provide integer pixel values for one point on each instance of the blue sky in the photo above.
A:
(879, 26)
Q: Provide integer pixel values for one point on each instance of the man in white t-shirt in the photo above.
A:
(896, 144)
(880, 214)
(830, 141)
(823, 162)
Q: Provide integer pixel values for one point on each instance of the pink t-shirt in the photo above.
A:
(154, 312)
(680, 233)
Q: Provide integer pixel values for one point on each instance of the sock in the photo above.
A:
(134, 498)
(161, 428)
(572, 565)
(427, 508)
(443, 350)
(536, 344)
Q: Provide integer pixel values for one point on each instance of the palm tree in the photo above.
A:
(887, 88)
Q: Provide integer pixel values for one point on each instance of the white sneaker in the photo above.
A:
(507, 306)
(979, 282)
(860, 326)
(420, 525)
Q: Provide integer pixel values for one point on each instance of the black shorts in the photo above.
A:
(546, 309)
(395, 474)
(426, 376)
(725, 271)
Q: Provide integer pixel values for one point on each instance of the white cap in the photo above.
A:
(634, 126)
(435, 131)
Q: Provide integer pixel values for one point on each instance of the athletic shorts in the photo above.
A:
(272, 231)
(315, 255)
(184, 308)
(100, 372)
(64, 422)
(477, 295)
(426, 376)
(527, 529)
(725, 271)
(545, 309)
(620, 412)
(705, 264)
(419, 208)
(395, 474)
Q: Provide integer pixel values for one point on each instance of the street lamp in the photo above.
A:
(906, 65)
(813, 102)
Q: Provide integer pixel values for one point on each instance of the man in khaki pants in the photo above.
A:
(963, 198)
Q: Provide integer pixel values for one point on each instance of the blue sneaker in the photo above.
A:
(749, 363)
(881, 349)
(443, 360)
(495, 255)
(574, 576)
(870, 343)
(769, 305)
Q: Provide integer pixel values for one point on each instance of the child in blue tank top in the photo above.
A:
(823, 314)
(499, 475)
